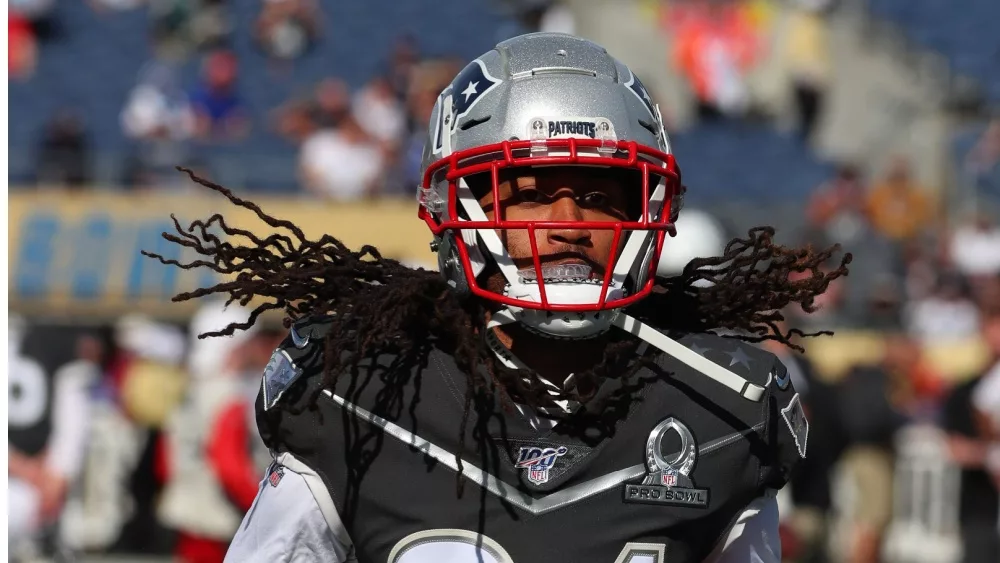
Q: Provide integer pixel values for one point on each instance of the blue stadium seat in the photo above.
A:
(94, 62)
(737, 162)
(963, 32)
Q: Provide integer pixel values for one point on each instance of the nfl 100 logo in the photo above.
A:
(538, 461)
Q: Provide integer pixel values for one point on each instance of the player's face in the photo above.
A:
(564, 194)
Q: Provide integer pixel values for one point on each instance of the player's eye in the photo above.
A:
(595, 200)
(530, 195)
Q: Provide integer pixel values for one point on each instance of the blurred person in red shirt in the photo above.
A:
(22, 50)
(210, 459)
(714, 47)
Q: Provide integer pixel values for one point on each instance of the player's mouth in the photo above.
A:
(563, 271)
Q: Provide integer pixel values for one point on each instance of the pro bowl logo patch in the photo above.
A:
(538, 461)
(668, 479)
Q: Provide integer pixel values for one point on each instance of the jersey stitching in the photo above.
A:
(449, 383)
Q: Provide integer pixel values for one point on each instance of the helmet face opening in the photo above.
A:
(460, 196)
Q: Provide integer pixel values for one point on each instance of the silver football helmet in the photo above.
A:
(547, 99)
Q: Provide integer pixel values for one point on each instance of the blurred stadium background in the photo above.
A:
(866, 122)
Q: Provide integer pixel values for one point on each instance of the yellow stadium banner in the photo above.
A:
(76, 254)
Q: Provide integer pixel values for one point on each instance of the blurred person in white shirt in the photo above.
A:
(947, 314)
(379, 112)
(47, 421)
(986, 401)
(975, 247)
(158, 116)
(342, 164)
(212, 451)
(986, 396)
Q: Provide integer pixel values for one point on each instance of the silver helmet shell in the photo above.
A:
(546, 99)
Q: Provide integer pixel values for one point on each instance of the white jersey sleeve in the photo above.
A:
(753, 538)
(292, 520)
(71, 418)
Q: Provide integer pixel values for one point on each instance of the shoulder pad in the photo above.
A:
(783, 414)
(280, 373)
(742, 358)
(300, 353)
(791, 427)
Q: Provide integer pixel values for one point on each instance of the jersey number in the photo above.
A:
(27, 394)
(463, 546)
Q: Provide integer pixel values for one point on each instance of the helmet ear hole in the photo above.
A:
(450, 264)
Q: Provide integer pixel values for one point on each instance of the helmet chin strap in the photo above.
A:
(684, 354)
(653, 337)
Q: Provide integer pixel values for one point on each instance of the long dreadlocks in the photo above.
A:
(377, 304)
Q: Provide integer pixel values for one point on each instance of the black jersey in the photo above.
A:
(29, 404)
(678, 458)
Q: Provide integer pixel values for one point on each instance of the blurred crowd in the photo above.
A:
(905, 441)
(373, 134)
(134, 438)
(137, 437)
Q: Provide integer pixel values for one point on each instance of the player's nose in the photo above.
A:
(566, 209)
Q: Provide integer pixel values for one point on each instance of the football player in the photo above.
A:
(543, 397)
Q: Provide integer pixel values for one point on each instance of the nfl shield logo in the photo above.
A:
(537, 460)
(669, 479)
(276, 474)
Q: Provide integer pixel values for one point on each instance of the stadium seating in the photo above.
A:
(963, 32)
(740, 162)
(93, 63)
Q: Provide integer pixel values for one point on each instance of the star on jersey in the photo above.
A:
(700, 350)
(739, 357)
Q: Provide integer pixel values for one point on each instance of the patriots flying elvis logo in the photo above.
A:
(635, 85)
(467, 88)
